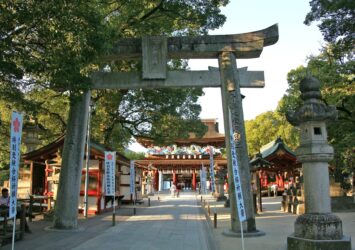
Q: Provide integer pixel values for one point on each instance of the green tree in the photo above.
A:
(46, 50)
(134, 155)
(266, 127)
(336, 21)
(49, 49)
(57, 45)
(337, 89)
(334, 67)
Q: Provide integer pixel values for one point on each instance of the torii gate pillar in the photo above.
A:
(232, 106)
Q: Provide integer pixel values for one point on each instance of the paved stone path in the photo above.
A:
(172, 223)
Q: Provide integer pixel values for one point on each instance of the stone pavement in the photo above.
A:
(171, 223)
(276, 224)
(174, 223)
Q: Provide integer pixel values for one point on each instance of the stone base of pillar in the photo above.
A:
(318, 231)
(231, 233)
(296, 243)
(150, 194)
(319, 227)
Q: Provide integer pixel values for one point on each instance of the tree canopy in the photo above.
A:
(334, 67)
(49, 49)
(336, 21)
(337, 89)
(266, 127)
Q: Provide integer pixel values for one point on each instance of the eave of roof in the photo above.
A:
(52, 148)
(274, 146)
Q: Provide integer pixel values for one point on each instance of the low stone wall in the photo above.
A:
(343, 203)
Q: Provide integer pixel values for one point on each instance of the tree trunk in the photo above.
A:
(66, 207)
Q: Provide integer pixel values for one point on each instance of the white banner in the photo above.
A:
(132, 182)
(15, 143)
(212, 168)
(110, 173)
(237, 181)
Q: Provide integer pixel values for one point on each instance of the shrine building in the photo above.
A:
(45, 167)
(181, 162)
(275, 165)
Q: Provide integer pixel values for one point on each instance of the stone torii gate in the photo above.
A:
(155, 52)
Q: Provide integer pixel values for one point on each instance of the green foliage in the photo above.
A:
(266, 127)
(49, 49)
(334, 67)
(142, 17)
(4, 176)
(161, 114)
(337, 88)
(336, 21)
(50, 43)
(5, 116)
(134, 155)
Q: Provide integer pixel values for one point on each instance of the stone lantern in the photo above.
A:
(31, 131)
(149, 180)
(220, 180)
(318, 228)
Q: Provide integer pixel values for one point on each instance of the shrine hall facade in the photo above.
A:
(180, 163)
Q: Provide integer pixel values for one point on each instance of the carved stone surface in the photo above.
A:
(201, 78)
(232, 107)
(245, 45)
(317, 228)
(66, 207)
(313, 109)
(154, 51)
(220, 178)
(296, 243)
(221, 174)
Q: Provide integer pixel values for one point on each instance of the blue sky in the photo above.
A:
(296, 42)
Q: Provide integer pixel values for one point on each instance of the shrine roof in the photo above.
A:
(258, 162)
(275, 146)
(50, 150)
(211, 137)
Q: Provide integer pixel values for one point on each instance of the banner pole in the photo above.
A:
(13, 233)
(114, 195)
(15, 144)
(134, 205)
(242, 234)
(113, 212)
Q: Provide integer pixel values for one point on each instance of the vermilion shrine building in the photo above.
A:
(180, 163)
(280, 168)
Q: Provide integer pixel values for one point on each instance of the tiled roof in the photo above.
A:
(273, 146)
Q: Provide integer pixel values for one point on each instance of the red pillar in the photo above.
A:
(193, 180)
(156, 180)
(174, 178)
